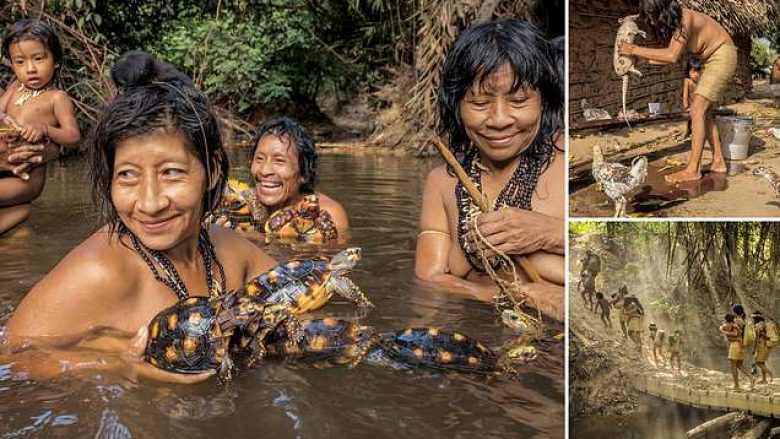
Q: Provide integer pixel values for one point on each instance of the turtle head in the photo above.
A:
(346, 259)
(516, 320)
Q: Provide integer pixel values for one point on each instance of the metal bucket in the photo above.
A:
(735, 133)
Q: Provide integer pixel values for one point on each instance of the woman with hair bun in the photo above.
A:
(157, 166)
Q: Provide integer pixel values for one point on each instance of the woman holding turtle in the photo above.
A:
(703, 37)
(501, 107)
(157, 167)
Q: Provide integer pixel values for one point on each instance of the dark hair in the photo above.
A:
(738, 310)
(599, 296)
(31, 29)
(137, 67)
(301, 139)
(693, 64)
(757, 317)
(148, 107)
(665, 16)
(479, 52)
(729, 317)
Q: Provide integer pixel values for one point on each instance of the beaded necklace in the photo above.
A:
(517, 193)
(171, 276)
(26, 93)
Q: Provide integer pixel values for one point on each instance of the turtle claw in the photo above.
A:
(344, 287)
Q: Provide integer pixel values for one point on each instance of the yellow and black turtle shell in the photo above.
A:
(186, 338)
(434, 348)
(329, 340)
(297, 283)
(240, 206)
(304, 221)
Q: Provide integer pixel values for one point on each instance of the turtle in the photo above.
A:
(307, 284)
(241, 207)
(444, 350)
(304, 221)
(325, 341)
(196, 334)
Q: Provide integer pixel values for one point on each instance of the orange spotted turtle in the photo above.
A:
(200, 333)
(241, 207)
(304, 221)
(307, 284)
(443, 350)
(334, 341)
(325, 342)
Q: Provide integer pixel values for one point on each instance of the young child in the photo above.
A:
(603, 303)
(657, 341)
(37, 109)
(675, 346)
(689, 86)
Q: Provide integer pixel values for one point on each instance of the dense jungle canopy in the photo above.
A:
(692, 270)
(259, 57)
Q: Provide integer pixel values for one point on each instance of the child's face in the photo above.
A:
(694, 75)
(32, 64)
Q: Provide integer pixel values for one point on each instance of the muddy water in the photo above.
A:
(653, 197)
(382, 196)
(657, 419)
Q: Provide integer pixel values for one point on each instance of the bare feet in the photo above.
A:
(719, 167)
(682, 176)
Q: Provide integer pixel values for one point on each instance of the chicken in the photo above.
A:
(773, 132)
(770, 176)
(618, 180)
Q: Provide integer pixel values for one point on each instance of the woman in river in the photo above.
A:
(157, 166)
(501, 107)
(701, 36)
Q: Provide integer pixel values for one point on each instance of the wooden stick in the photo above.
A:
(719, 423)
(483, 204)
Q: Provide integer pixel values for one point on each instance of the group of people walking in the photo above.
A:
(759, 335)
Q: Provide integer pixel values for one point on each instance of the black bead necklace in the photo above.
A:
(171, 276)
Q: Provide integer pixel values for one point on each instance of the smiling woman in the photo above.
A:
(157, 165)
(284, 167)
(500, 106)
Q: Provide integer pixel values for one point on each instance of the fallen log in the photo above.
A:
(719, 423)
(754, 430)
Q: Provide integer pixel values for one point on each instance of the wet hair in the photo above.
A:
(738, 310)
(665, 16)
(729, 317)
(31, 29)
(694, 64)
(300, 138)
(478, 53)
(151, 107)
(137, 67)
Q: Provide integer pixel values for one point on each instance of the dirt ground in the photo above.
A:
(740, 194)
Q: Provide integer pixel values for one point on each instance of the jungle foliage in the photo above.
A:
(248, 55)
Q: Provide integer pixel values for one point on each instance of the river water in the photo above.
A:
(382, 195)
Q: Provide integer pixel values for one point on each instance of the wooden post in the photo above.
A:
(482, 203)
(721, 422)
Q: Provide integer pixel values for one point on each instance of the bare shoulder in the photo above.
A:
(93, 277)
(59, 97)
(440, 180)
(329, 204)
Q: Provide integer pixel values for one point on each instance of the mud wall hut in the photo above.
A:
(593, 25)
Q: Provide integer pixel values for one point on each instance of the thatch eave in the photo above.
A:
(740, 16)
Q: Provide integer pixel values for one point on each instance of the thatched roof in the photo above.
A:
(740, 16)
